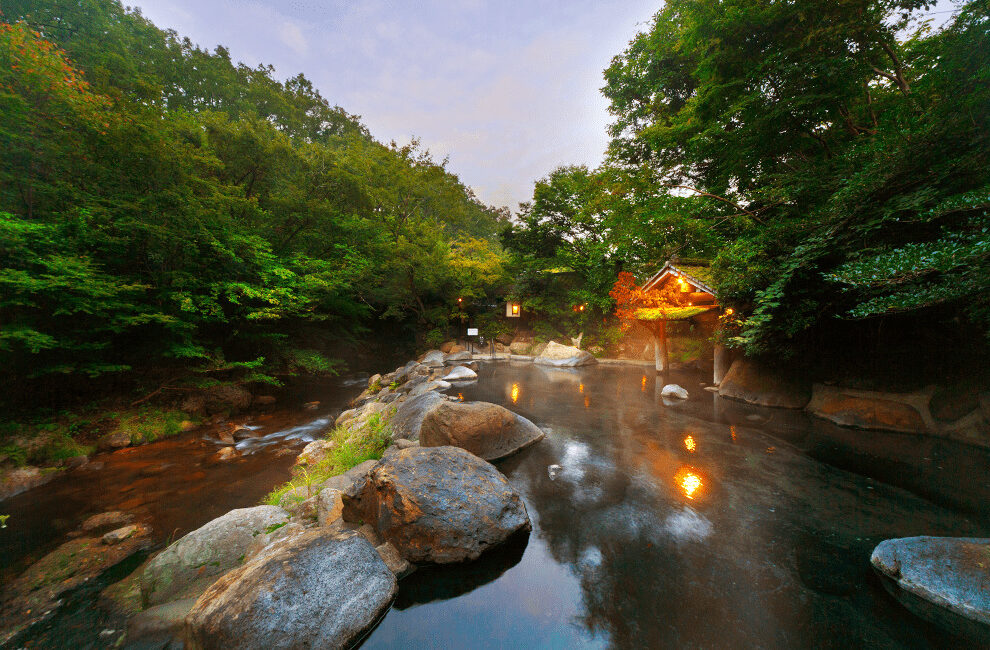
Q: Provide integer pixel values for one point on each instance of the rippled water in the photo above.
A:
(689, 524)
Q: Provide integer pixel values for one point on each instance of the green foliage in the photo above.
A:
(148, 424)
(162, 206)
(351, 448)
(833, 159)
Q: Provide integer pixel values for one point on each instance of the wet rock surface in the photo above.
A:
(486, 430)
(190, 564)
(41, 590)
(438, 505)
(752, 382)
(408, 418)
(943, 579)
(556, 354)
(315, 590)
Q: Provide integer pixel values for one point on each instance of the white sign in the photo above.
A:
(472, 331)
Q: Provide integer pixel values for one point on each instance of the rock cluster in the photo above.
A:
(322, 567)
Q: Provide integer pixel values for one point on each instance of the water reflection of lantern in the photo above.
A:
(643, 384)
(515, 393)
(689, 443)
(580, 388)
(732, 432)
(587, 401)
(688, 481)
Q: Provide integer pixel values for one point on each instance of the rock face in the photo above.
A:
(438, 504)
(460, 373)
(673, 390)
(488, 431)
(427, 386)
(559, 355)
(432, 358)
(114, 441)
(189, 565)
(943, 579)
(315, 590)
(749, 381)
(905, 412)
(458, 357)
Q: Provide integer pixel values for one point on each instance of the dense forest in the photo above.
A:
(166, 212)
(832, 160)
(163, 209)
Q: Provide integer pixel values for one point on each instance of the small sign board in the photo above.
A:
(472, 331)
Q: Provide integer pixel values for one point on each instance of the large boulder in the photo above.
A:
(318, 589)
(752, 382)
(437, 504)
(488, 431)
(428, 386)
(945, 580)
(559, 355)
(189, 565)
(460, 373)
(864, 409)
(22, 479)
(432, 358)
(458, 357)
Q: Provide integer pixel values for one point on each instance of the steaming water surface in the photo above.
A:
(685, 524)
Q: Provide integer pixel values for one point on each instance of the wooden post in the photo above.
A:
(661, 354)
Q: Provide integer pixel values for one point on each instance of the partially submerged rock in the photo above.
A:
(752, 382)
(945, 580)
(38, 592)
(432, 358)
(106, 520)
(190, 564)
(438, 504)
(409, 415)
(863, 409)
(559, 355)
(315, 590)
(425, 387)
(460, 373)
(673, 390)
(22, 479)
(486, 430)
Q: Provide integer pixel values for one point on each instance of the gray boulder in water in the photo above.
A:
(318, 589)
(488, 431)
(438, 505)
(432, 358)
(409, 415)
(565, 356)
(189, 565)
(673, 390)
(945, 580)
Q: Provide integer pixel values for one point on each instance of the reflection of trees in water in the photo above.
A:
(772, 551)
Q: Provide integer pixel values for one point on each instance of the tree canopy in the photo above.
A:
(162, 206)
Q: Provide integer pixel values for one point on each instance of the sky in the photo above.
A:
(508, 90)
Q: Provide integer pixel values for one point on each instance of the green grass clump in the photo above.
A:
(353, 448)
(150, 423)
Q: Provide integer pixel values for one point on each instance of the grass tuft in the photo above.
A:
(353, 447)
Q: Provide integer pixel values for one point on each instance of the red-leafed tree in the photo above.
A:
(651, 309)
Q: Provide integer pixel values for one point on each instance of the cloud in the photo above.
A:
(292, 36)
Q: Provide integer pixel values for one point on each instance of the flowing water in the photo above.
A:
(656, 523)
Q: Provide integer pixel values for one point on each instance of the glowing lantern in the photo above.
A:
(512, 310)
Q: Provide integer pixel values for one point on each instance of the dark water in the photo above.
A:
(694, 524)
(704, 523)
(172, 485)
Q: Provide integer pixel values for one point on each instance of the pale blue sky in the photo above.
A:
(509, 90)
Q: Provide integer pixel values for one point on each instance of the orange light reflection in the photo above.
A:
(587, 401)
(688, 481)
(643, 384)
(689, 443)
(515, 393)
